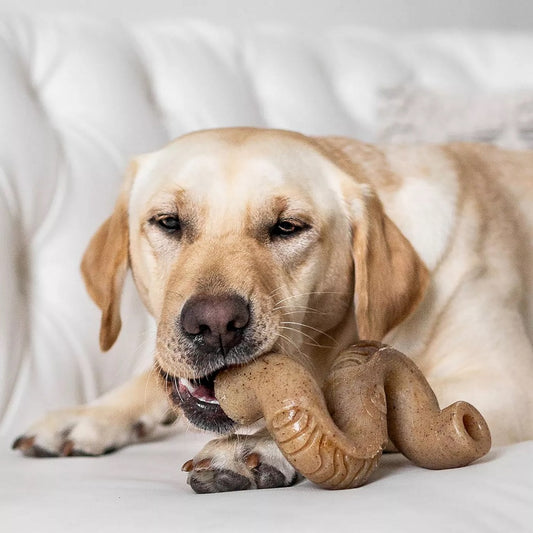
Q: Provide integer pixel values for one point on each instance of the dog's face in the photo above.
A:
(241, 242)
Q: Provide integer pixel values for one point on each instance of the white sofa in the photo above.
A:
(78, 97)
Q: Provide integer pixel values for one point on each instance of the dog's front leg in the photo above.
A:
(239, 462)
(123, 416)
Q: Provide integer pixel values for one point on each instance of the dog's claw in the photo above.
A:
(266, 476)
(200, 466)
(23, 443)
(253, 460)
(187, 466)
(28, 447)
(204, 464)
(67, 448)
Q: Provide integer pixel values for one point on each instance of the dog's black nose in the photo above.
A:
(219, 320)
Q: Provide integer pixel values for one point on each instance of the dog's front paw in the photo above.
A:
(239, 462)
(84, 431)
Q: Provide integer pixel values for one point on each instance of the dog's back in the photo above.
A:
(507, 176)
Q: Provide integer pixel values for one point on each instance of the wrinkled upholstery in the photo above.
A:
(78, 97)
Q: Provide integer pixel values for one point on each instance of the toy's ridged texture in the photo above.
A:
(373, 393)
(314, 446)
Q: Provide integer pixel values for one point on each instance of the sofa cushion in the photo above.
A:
(141, 489)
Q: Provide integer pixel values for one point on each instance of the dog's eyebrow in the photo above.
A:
(280, 206)
(163, 209)
(168, 202)
(287, 206)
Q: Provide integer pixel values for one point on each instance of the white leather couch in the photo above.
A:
(78, 97)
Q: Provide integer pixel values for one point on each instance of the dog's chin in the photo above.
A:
(196, 399)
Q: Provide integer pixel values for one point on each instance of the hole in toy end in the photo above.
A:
(472, 427)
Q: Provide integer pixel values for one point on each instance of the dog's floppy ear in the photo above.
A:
(105, 264)
(390, 277)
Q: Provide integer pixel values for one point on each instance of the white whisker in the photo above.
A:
(274, 291)
(307, 294)
(300, 308)
(314, 329)
(314, 343)
(292, 342)
(300, 312)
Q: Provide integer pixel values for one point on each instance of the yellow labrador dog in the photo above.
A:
(243, 241)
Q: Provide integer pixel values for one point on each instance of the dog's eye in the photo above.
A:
(169, 223)
(287, 228)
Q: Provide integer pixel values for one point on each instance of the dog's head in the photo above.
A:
(245, 241)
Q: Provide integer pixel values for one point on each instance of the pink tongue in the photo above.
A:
(203, 393)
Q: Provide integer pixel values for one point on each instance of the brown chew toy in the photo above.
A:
(335, 438)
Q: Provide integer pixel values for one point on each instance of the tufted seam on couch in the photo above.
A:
(19, 44)
(192, 60)
(147, 79)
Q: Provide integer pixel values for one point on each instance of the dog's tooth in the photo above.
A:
(187, 384)
(211, 401)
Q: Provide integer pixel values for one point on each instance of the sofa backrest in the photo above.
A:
(79, 97)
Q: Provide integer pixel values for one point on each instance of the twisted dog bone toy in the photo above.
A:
(373, 393)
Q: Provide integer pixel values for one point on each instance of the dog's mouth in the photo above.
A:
(202, 390)
(196, 399)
